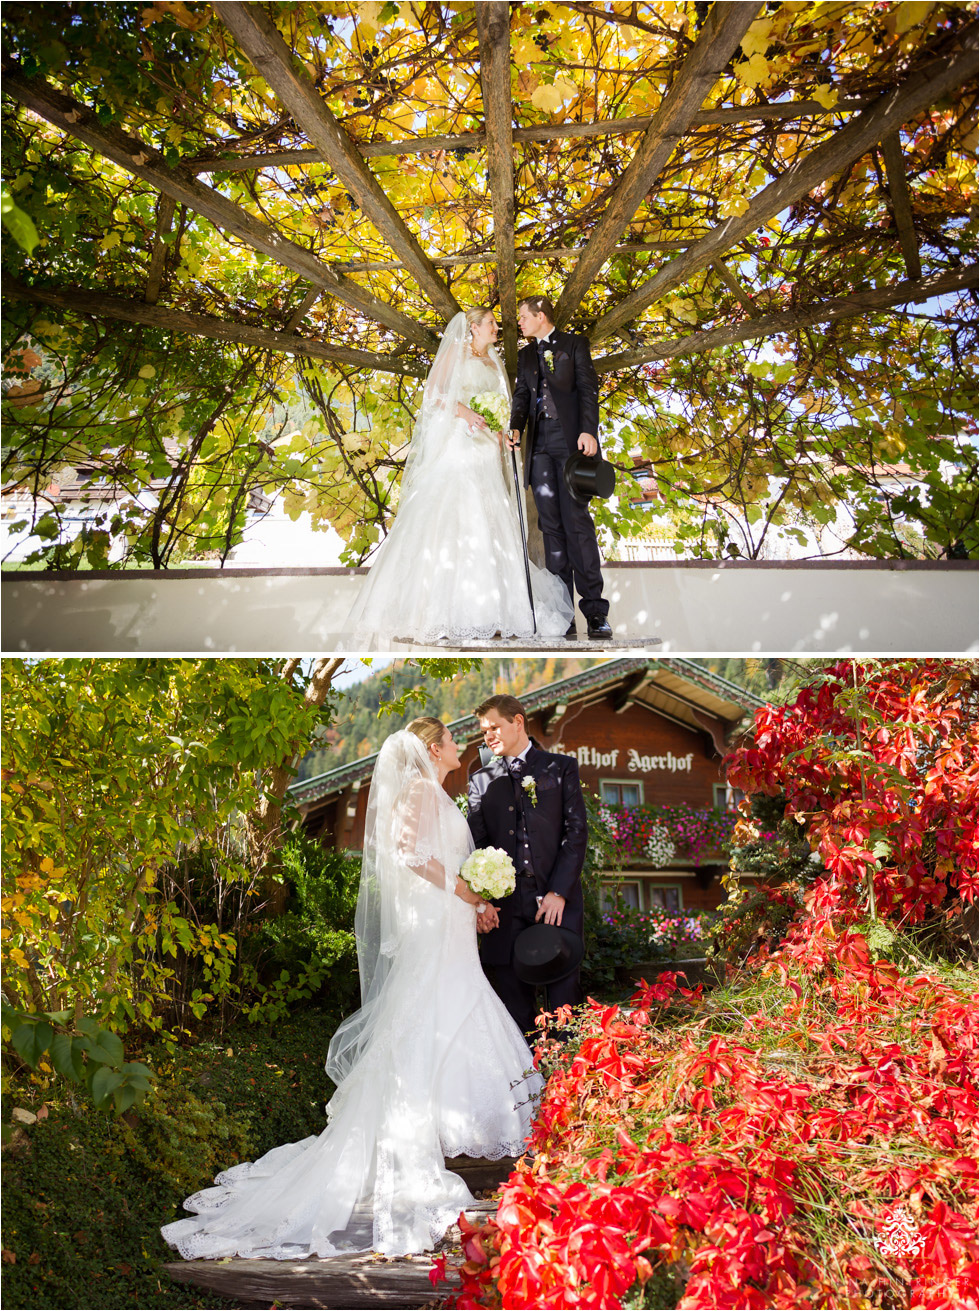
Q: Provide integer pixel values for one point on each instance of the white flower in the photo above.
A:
(490, 872)
(660, 846)
(493, 407)
(530, 788)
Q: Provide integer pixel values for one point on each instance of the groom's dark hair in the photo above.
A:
(539, 305)
(507, 706)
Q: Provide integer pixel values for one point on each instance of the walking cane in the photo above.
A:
(520, 516)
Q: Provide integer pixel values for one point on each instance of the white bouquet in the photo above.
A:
(490, 405)
(489, 872)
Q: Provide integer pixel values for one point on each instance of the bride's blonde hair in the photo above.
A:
(474, 318)
(427, 728)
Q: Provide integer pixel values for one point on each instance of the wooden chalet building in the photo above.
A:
(644, 732)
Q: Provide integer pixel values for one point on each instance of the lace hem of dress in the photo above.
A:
(480, 1151)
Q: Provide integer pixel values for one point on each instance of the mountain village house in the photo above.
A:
(644, 732)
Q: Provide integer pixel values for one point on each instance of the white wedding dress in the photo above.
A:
(432, 1066)
(452, 568)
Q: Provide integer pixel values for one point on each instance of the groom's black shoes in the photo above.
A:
(599, 630)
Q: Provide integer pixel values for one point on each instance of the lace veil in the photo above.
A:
(443, 391)
(414, 844)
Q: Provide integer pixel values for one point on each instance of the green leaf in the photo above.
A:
(19, 224)
(104, 1083)
(124, 1097)
(66, 1057)
(112, 1043)
(31, 1039)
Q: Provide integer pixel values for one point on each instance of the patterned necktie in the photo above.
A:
(541, 367)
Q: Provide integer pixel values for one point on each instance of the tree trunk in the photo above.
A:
(263, 825)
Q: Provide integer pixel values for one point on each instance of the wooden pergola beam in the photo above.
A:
(735, 287)
(136, 157)
(258, 36)
(789, 109)
(859, 302)
(719, 39)
(493, 29)
(901, 202)
(103, 306)
(302, 309)
(521, 255)
(917, 93)
(166, 208)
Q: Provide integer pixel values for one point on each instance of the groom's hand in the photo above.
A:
(487, 920)
(587, 444)
(514, 439)
(551, 908)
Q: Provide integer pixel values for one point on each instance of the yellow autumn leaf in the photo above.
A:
(148, 371)
(752, 71)
(368, 18)
(734, 205)
(756, 40)
(826, 95)
(524, 51)
(547, 98)
(908, 15)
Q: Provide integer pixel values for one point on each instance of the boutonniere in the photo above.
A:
(530, 787)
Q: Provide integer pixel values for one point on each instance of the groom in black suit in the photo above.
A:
(557, 395)
(545, 833)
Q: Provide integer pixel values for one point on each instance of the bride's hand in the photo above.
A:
(476, 421)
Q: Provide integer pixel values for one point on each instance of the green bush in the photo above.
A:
(611, 948)
(182, 1139)
(770, 848)
(85, 1195)
(309, 950)
(625, 937)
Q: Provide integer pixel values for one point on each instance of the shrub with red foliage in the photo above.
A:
(879, 763)
(757, 1153)
(755, 1166)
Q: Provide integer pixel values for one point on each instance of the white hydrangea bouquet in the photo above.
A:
(490, 872)
(490, 405)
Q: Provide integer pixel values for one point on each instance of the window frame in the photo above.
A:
(622, 782)
(645, 884)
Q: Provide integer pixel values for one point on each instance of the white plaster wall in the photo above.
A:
(666, 608)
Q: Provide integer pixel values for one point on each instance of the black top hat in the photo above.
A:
(587, 476)
(547, 953)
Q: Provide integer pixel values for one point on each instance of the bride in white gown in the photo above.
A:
(431, 1066)
(453, 566)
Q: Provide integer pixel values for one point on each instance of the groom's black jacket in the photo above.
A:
(557, 831)
(572, 384)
